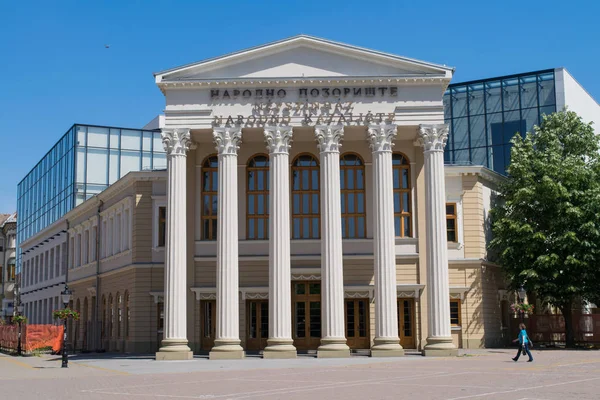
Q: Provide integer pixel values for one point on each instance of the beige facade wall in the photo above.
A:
(475, 245)
(139, 271)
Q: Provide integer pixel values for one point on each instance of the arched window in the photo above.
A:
(77, 333)
(402, 199)
(111, 322)
(257, 204)
(119, 306)
(127, 315)
(104, 319)
(11, 270)
(352, 181)
(305, 198)
(210, 193)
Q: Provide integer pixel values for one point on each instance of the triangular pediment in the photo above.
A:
(303, 57)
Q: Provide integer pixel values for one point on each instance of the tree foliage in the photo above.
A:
(546, 226)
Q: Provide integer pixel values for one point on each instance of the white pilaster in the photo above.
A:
(386, 342)
(227, 336)
(280, 343)
(174, 345)
(439, 340)
(333, 341)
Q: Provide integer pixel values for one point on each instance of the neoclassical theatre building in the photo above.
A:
(305, 207)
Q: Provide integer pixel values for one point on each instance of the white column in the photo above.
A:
(333, 342)
(439, 340)
(386, 342)
(280, 343)
(175, 344)
(227, 337)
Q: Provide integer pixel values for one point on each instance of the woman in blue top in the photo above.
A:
(524, 343)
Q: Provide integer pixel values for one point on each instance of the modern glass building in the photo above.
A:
(484, 115)
(84, 162)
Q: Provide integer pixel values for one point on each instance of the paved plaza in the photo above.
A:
(482, 374)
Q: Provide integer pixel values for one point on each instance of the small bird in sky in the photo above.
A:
(106, 46)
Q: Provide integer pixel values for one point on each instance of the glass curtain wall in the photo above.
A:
(84, 162)
(484, 115)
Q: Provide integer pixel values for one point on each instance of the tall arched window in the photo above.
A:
(119, 306)
(127, 315)
(402, 199)
(305, 198)
(111, 312)
(104, 319)
(210, 193)
(352, 181)
(257, 204)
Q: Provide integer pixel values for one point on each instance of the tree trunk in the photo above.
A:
(567, 311)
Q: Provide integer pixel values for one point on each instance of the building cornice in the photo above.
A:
(485, 173)
(298, 82)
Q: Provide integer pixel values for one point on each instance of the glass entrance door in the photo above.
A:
(406, 322)
(258, 324)
(208, 316)
(357, 323)
(306, 315)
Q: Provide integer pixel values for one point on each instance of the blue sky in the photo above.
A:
(56, 71)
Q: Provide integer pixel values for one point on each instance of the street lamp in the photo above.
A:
(66, 298)
(521, 292)
(19, 309)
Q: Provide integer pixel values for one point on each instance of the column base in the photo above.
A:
(226, 349)
(174, 349)
(333, 348)
(440, 347)
(279, 348)
(387, 347)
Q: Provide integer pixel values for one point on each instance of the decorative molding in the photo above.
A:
(176, 141)
(255, 296)
(159, 297)
(92, 290)
(404, 290)
(227, 139)
(502, 294)
(433, 137)
(205, 293)
(254, 293)
(381, 137)
(458, 292)
(329, 137)
(278, 138)
(302, 277)
(299, 82)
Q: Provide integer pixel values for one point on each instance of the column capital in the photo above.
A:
(433, 137)
(227, 139)
(278, 138)
(329, 137)
(177, 141)
(381, 137)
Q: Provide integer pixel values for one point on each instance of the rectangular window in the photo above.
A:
(455, 312)
(162, 225)
(451, 222)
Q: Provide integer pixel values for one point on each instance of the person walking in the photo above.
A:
(524, 343)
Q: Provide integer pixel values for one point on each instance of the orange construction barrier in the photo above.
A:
(33, 337)
(43, 336)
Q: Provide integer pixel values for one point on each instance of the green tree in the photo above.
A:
(546, 225)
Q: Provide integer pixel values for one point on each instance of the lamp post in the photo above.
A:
(521, 292)
(19, 309)
(66, 298)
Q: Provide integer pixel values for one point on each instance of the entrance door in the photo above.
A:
(306, 314)
(208, 316)
(357, 323)
(406, 322)
(258, 324)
